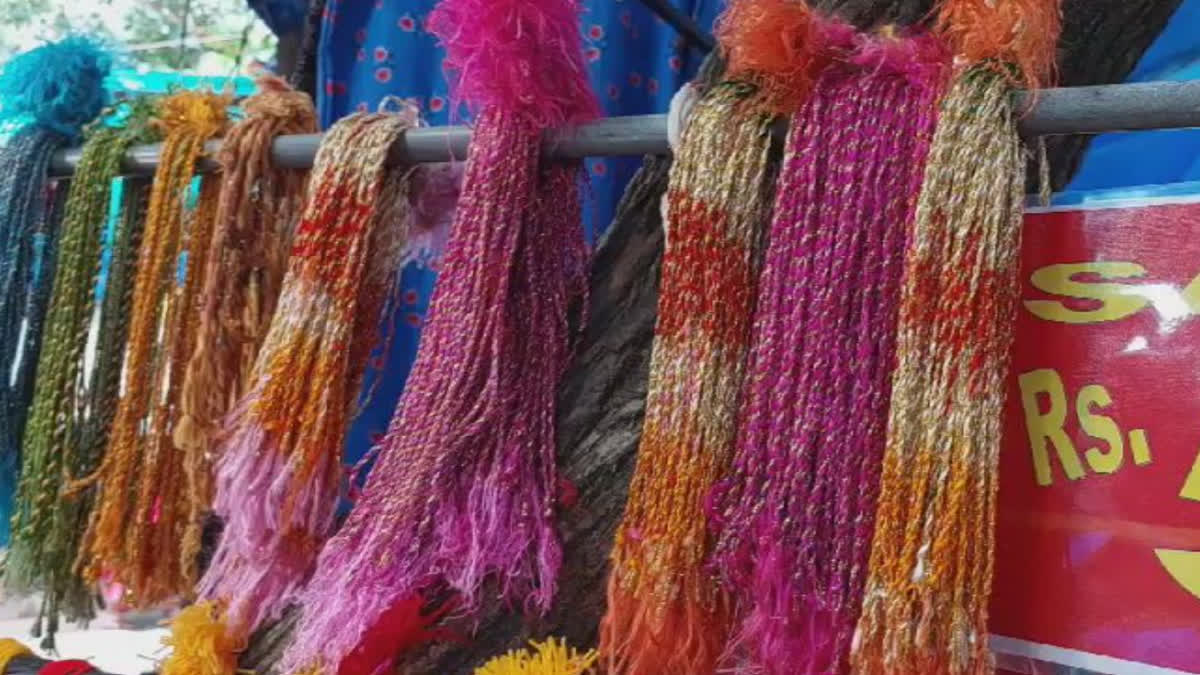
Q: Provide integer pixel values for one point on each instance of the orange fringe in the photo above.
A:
(688, 635)
(772, 43)
(1019, 32)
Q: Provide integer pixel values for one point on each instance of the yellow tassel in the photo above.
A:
(548, 658)
(11, 649)
(201, 643)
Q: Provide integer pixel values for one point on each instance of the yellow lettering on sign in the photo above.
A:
(1183, 566)
(1115, 300)
(1191, 486)
(1139, 447)
(1100, 426)
(1047, 427)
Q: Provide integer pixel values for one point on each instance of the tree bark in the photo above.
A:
(602, 398)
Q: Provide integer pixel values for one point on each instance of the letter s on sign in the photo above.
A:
(1115, 301)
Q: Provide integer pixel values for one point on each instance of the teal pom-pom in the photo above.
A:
(59, 85)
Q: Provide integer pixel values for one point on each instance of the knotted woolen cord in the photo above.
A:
(279, 471)
(48, 94)
(40, 556)
(134, 529)
(794, 518)
(463, 495)
(665, 614)
(256, 213)
(925, 604)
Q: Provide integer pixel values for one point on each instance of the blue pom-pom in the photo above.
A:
(59, 85)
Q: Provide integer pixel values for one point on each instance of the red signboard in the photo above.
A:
(1098, 530)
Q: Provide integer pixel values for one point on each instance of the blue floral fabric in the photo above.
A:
(373, 49)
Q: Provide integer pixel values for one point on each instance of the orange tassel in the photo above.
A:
(1023, 33)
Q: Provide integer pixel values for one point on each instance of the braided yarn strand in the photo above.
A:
(281, 448)
(133, 526)
(256, 213)
(665, 613)
(925, 604)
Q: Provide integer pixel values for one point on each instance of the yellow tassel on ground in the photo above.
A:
(11, 649)
(548, 658)
(201, 643)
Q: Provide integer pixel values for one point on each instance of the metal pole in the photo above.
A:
(1087, 110)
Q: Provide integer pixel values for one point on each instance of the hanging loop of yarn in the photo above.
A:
(141, 498)
(478, 407)
(665, 613)
(925, 602)
(46, 521)
(256, 212)
(280, 449)
(814, 408)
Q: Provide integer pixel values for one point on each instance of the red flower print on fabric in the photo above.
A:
(381, 54)
(596, 32)
(676, 63)
(360, 36)
(407, 23)
(613, 92)
(411, 297)
(437, 103)
(413, 319)
(383, 75)
(600, 169)
(592, 54)
(635, 79)
(361, 54)
(652, 86)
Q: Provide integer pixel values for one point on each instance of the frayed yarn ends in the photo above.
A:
(773, 43)
(685, 635)
(524, 56)
(1023, 33)
(60, 85)
(407, 624)
(201, 643)
(551, 657)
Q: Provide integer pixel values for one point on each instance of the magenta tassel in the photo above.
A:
(814, 413)
(463, 495)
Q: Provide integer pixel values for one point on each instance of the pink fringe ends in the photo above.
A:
(641, 637)
(524, 56)
(272, 532)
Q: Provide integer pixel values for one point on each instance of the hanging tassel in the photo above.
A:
(462, 497)
(43, 548)
(814, 410)
(278, 477)
(48, 94)
(256, 212)
(665, 614)
(925, 605)
(133, 527)
(930, 572)
(11, 650)
(547, 658)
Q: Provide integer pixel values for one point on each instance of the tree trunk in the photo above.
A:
(602, 397)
